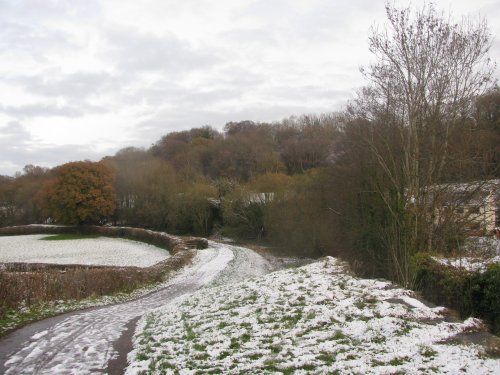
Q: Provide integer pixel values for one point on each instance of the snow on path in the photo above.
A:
(83, 343)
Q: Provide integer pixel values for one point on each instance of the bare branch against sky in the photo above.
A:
(82, 79)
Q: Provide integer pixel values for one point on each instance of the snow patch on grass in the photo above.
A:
(314, 319)
(477, 254)
(471, 264)
(103, 251)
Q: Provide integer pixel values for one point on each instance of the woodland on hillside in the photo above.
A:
(360, 183)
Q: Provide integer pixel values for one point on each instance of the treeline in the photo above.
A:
(298, 183)
(363, 183)
(203, 181)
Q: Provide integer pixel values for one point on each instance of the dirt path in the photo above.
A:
(95, 341)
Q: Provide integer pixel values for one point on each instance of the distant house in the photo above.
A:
(476, 203)
(261, 198)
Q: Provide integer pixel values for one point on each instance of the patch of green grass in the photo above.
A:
(224, 354)
(214, 371)
(311, 315)
(252, 297)
(245, 337)
(379, 339)
(235, 344)
(199, 347)
(308, 367)
(361, 304)
(166, 366)
(428, 352)
(288, 370)
(201, 355)
(339, 335)
(152, 367)
(190, 334)
(272, 366)
(142, 356)
(255, 356)
(406, 327)
(376, 363)
(270, 319)
(327, 358)
(398, 361)
(69, 236)
(291, 320)
(275, 349)
(300, 301)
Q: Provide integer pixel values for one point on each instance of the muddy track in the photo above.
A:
(96, 340)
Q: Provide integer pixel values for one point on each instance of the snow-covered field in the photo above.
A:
(103, 251)
(315, 319)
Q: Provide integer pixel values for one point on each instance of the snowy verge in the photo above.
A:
(316, 319)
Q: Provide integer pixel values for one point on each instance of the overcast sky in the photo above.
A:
(80, 79)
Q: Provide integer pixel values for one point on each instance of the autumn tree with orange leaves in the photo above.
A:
(80, 193)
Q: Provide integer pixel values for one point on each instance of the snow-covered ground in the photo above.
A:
(83, 343)
(316, 319)
(468, 263)
(103, 251)
(478, 254)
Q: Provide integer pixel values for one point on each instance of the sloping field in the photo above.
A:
(316, 319)
(103, 251)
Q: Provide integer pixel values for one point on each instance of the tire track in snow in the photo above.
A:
(82, 343)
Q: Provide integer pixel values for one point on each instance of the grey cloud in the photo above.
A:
(306, 91)
(251, 36)
(186, 98)
(76, 85)
(19, 149)
(32, 11)
(33, 39)
(44, 110)
(133, 51)
(168, 121)
(326, 21)
(237, 76)
(49, 156)
(13, 131)
(226, 83)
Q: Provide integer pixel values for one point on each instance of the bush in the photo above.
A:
(470, 293)
(485, 296)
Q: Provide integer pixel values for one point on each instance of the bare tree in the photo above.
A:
(427, 72)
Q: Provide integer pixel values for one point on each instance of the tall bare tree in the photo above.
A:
(427, 72)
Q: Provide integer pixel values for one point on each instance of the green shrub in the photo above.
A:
(485, 296)
(470, 293)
